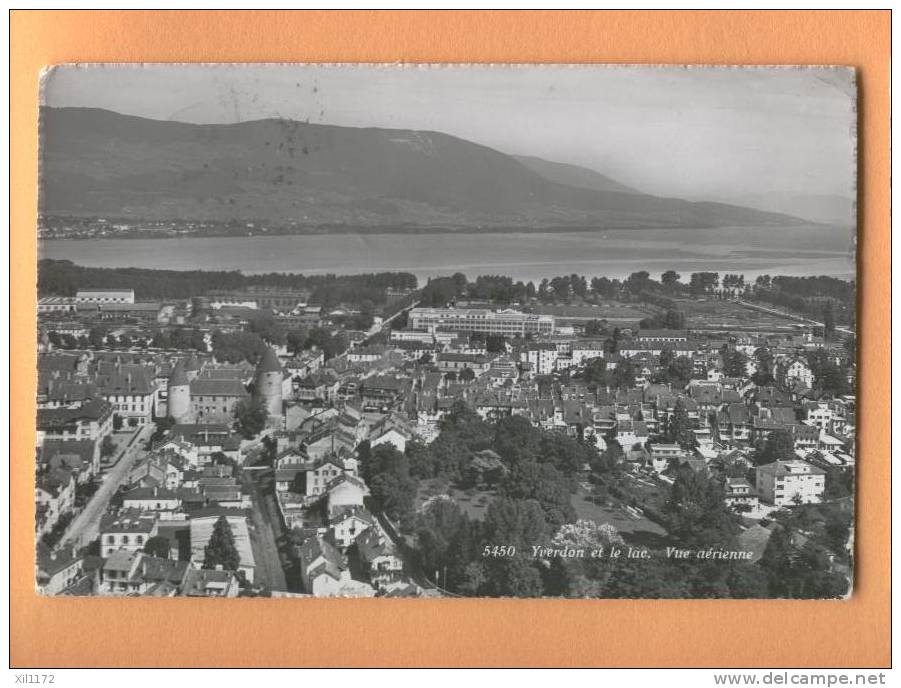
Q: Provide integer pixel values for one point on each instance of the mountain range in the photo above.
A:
(98, 163)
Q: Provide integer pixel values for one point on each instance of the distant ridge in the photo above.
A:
(98, 163)
(573, 175)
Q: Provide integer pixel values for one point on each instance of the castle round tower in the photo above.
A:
(179, 394)
(268, 383)
(192, 368)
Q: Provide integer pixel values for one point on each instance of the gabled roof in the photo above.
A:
(218, 388)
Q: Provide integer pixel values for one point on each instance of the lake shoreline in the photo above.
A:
(521, 255)
(419, 230)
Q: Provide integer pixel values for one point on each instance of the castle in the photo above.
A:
(196, 395)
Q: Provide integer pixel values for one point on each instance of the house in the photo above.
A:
(735, 424)
(347, 522)
(382, 392)
(345, 490)
(797, 370)
(136, 573)
(740, 495)
(321, 566)
(457, 362)
(325, 573)
(785, 483)
(56, 570)
(586, 350)
(179, 447)
(391, 429)
(318, 473)
(631, 432)
(214, 400)
(664, 454)
(130, 389)
(210, 583)
(159, 499)
(91, 421)
(319, 386)
(379, 555)
(540, 356)
(204, 438)
(54, 495)
(128, 531)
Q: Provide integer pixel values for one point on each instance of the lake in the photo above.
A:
(806, 250)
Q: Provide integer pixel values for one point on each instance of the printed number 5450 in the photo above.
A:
(499, 551)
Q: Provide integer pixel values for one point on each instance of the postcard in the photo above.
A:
(446, 331)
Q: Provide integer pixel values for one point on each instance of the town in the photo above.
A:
(219, 434)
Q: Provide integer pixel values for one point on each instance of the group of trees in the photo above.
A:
(63, 278)
(250, 417)
(829, 298)
(567, 288)
(532, 506)
(828, 376)
(734, 361)
(803, 567)
(330, 343)
(386, 472)
(597, 376)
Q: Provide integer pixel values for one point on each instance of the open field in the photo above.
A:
(715, 314)
(634, 529)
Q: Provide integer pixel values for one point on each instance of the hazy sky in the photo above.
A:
(689, 132)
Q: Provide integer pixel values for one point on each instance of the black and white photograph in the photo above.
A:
(446, 331)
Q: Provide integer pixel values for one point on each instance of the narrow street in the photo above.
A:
(272, 560)
(85, 526)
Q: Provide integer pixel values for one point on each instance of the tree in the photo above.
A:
(495, 344)
(387, 472)
(828, 321)
(467, 375)
(542, 482)
(696, 511)
(221, 550)
(107, 447)
(157, 546)
(638, 282)
(250, 417)
(623, 375)
(595, 328)
(734, 361)
(444, 541)
(670, 278)
(586, 576)
(763, 375)
(117, 422)
(450, 376)
(703, 282)
(679, 428)
(778, 446)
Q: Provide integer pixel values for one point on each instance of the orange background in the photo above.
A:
(137, 632)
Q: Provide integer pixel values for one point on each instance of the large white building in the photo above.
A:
(784, 483)
(508, 323)
(105, 296)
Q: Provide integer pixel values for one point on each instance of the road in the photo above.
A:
(85, 526)
(377, 329)
(269, 572)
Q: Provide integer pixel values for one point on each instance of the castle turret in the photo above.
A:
(192, 368)
(268, 383)
(179, 394)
